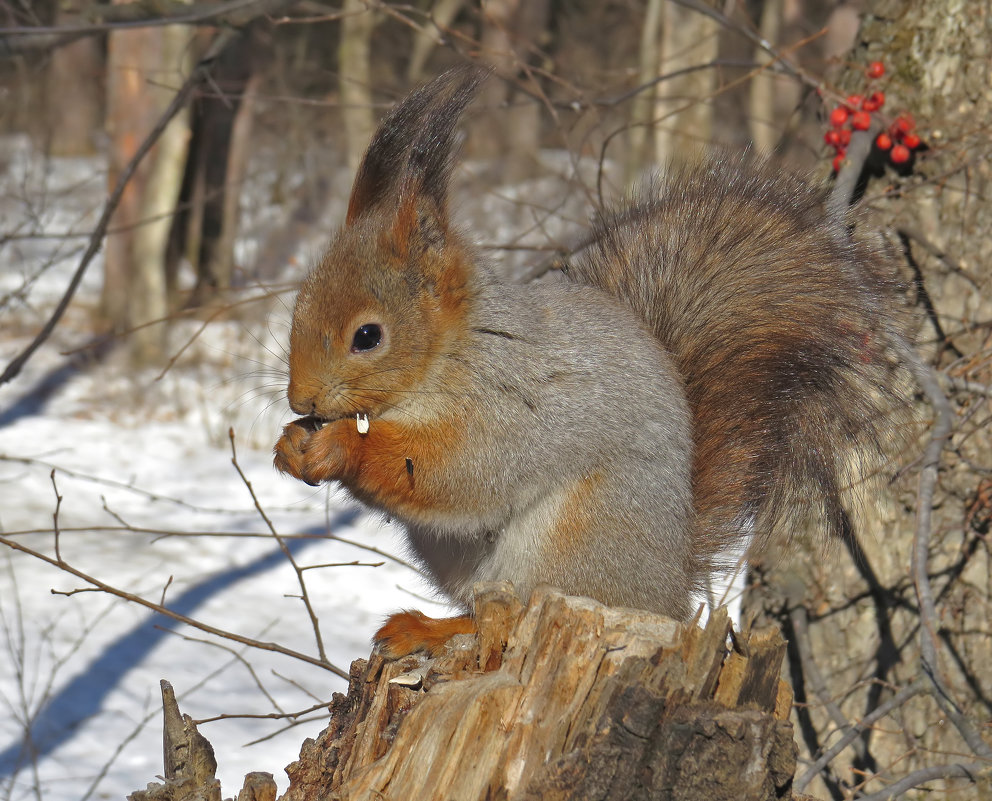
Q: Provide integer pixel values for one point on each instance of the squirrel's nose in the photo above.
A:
(301, 401)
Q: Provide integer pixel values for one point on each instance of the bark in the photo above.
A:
(190, 765)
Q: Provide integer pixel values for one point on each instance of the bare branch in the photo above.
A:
(842, 193)
(196, 624)
(799, 616)
(969, 770)
(141, 14)
(943, 426)
(268, 716)
(55, 516)
(866, 722)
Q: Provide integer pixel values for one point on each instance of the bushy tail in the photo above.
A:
(777, 319)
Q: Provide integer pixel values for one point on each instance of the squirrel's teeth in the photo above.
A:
(362, 423)
(317, 424)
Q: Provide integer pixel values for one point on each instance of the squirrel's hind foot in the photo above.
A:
(410, 631)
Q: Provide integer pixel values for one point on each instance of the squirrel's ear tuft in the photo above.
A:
(410, 154)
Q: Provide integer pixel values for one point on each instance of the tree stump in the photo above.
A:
(563, 699)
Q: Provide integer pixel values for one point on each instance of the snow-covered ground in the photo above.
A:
(151, 504)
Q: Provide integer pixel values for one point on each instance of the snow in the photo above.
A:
(151, 504)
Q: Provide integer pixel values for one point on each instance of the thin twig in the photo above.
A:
(150, 495)
(964, 385)
(137, 599)
(265, 716)
(233, 13)
(800, 624)
(314, 620)
(926, 379)
(877, 713)
(236, 656)
(967, 770)
(55, 516)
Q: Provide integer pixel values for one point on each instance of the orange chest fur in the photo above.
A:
(400, 467)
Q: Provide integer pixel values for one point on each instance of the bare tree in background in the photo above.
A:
(441, 15)
(763, 85)
(510, 35)
(683, 109)
(74, 93)
(144, 66)
(355, 77)
(867, 643)
(205, 224)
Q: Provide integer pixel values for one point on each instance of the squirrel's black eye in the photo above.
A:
(366, 338)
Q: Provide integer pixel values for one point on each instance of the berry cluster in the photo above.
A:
(899, 140)
(854, 114)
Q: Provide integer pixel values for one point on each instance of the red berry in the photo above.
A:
(838, 116)
(883, 141)
(876, 69)
(845, 136)
(874, 101)
(861, 121)
(855, 101)
(903, 124)
(899, 154)
(832, 137)
(912, 141)
(838, 161)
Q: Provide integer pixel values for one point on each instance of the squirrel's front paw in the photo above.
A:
(308, 452)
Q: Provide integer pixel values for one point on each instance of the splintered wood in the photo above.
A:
(566, 699)
(563, 699)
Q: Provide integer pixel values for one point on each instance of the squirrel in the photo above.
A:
(696, 384)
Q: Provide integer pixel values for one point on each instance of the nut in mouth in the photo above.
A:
(314, 423)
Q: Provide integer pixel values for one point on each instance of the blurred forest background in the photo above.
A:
(190, 104)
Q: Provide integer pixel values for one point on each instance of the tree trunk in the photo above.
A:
(512, 135)
(762, 91)
(566, 699)
(204, 229)
(355, 78)
(74, 94)
(443, 13)
(683, 108)
(642, 110)
(143, 66)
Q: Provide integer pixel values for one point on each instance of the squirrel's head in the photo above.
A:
(372, 320)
